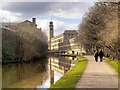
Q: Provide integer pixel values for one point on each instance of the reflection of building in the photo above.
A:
(61, 64)
(64, 42)
(51, 72)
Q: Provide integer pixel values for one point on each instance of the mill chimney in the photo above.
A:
(34, 20)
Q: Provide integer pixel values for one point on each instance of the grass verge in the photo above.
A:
(70, 79)
(114, 63)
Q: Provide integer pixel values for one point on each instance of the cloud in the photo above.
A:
(50, 0)
(71, 27)
(59, 26)
(72, 10)
(61, 9)
(6, 16)
(64, 14)
(59, 0)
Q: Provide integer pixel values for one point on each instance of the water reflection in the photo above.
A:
(51, 72)
(0, 76)
(61, 65)
(37, 74)
(24, 75)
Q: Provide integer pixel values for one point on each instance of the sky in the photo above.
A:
(65, 15)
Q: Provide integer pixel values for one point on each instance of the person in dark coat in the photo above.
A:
(96, 55)
(101, 54)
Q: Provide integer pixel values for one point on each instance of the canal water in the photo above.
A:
(38, 74)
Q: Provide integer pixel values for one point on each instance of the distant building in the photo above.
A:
(21, 25)
(64, 42)
(61, 42)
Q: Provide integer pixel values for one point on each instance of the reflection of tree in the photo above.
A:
(25, 75)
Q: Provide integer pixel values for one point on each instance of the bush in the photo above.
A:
(8, 52)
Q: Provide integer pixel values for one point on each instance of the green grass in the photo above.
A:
(114, 63)
(70, 79)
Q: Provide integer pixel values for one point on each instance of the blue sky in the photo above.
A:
(66, 20)
(65, 15)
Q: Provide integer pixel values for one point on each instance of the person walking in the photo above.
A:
(101, 54)
(96, 56)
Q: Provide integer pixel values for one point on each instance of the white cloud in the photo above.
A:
(59, 26)
(71, 27)
(42, 24)
(66, 14)
(71, 10)
(6, 16)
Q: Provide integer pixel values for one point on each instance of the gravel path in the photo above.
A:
(98, 75)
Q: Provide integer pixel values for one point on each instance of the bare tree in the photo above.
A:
(99, 28)
(25, 44)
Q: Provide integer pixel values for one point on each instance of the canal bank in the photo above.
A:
(70, 79)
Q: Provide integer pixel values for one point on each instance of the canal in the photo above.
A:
(38, 74)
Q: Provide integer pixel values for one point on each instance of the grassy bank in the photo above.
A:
(70, 79)
(113, 63)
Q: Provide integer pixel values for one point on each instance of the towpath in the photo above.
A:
(98, 75)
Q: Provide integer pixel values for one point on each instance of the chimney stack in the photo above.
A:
(34, 20)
